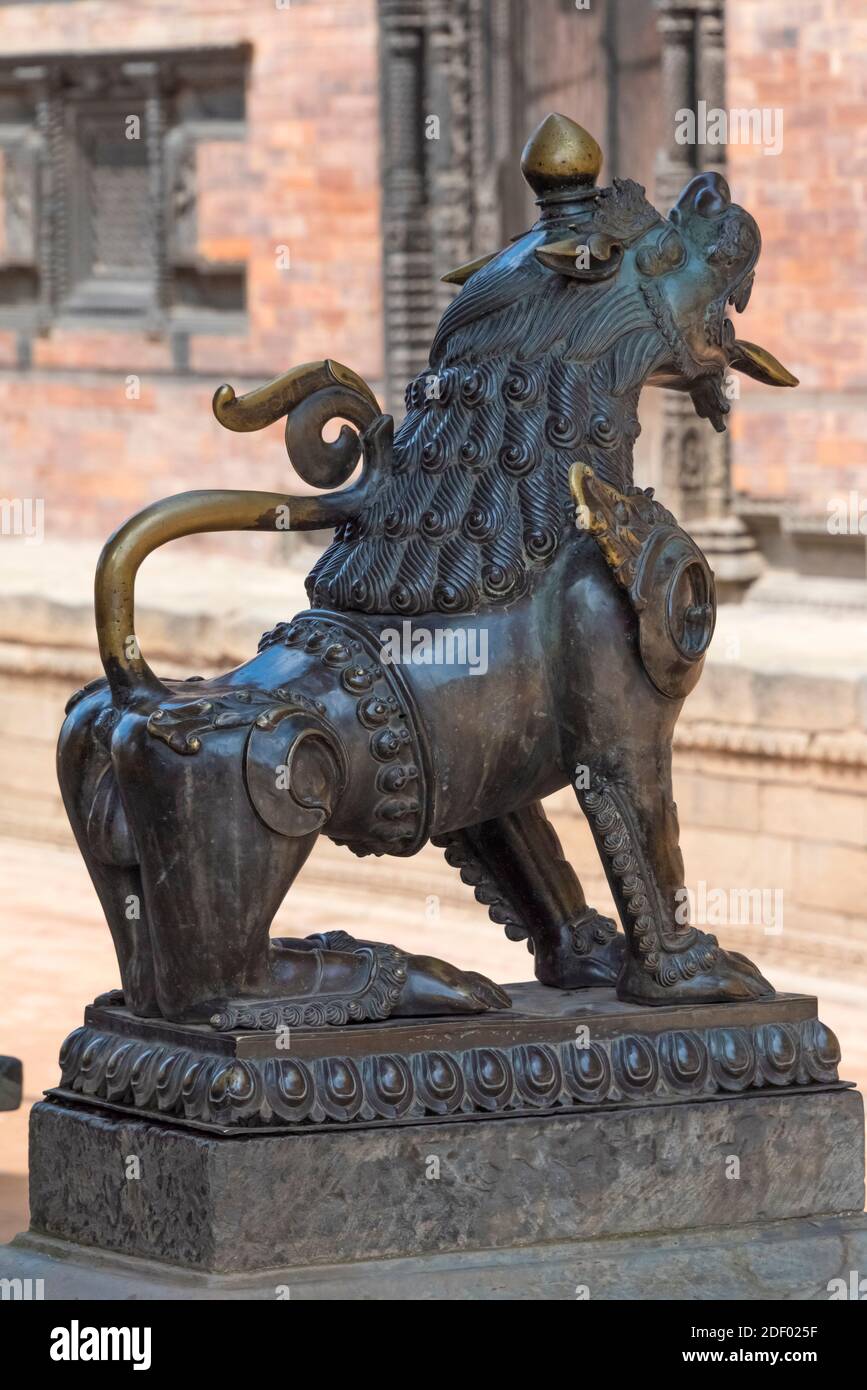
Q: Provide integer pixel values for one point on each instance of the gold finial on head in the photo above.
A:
(560, 156)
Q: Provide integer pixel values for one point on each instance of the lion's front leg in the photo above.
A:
(517, 867)
(629, 804)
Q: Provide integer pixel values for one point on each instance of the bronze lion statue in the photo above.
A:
(500, 520)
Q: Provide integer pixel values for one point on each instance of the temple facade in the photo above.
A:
(234, 190)
(206, 203)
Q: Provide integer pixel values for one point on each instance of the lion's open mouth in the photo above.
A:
(718, 326)
(735, 246)
(729, 243)
(719, 331)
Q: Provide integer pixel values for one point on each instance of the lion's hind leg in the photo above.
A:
(222, 830)
(518, 869)
(213, 872)
(99, 823)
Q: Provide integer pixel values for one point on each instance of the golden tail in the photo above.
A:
(317, 392)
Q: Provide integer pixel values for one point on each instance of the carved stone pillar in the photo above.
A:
(710, 87)
(696, 463)
(488, 110)
(448, 136)
(675, 162)
(155, 134)
(448, 124)
(49, 124)
(408, 272)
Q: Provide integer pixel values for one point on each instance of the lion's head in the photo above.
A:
(538, 363)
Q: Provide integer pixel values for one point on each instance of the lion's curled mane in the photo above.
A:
(528, 373)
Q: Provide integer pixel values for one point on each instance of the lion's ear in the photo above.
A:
(461, 273)
(594, 258)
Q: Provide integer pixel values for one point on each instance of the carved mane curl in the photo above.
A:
(529, 372)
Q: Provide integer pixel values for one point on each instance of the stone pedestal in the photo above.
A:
(10, 1083)
(577, 1144)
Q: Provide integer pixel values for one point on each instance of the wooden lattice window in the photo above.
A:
(98, 190)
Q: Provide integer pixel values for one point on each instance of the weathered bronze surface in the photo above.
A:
(553, 1052)
(195, 803)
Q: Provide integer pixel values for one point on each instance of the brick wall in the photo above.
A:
(306, 177)
(810, 301)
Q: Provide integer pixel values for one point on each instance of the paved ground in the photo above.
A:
(55, 954)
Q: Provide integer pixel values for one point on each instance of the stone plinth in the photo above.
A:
(238, 1205)
(10, 1083)
(574, 1141)
(552, 1052)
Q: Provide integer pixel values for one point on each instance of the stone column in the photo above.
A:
(696, 464)
(52, 224)
(448, 141)
(408, 296)
(448, 113)
(730, 548)
(675, 163)
(155, 134)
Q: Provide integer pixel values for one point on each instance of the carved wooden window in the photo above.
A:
(98, 190)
